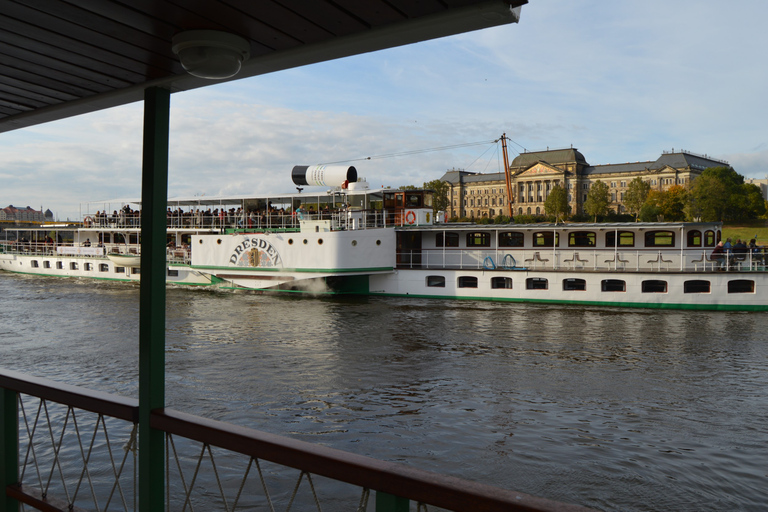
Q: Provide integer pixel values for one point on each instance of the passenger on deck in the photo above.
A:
(718, 254)
(87, 242)
(740, 248)
(756, 251)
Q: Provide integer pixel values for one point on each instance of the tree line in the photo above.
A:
(718, 194)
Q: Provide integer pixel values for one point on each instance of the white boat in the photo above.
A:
(348, 238)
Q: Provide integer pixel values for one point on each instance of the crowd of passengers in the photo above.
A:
(728, 254)
(217, 217)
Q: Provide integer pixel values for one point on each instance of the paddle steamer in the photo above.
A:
(349, 238)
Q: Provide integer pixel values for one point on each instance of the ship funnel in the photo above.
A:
(323, 175)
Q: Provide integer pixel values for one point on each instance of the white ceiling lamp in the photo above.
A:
(210, 53)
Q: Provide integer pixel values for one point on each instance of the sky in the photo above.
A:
(620, 81)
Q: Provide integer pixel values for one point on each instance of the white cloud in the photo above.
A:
(621, 81)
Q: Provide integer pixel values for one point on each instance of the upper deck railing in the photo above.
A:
(274, 220)
(637, 260)
(50, 460)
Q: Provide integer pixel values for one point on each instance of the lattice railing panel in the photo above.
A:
(202, 477)
(85, 459)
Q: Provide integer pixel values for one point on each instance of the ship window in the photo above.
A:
(119, 270)
(536, 283)
(741, 286)
(451, 240)
(659, 239)
(413, 201)
(573, 284)
(709, 238)
(319, 241)
(135, 270)
(696, 286)
(73, 265)
(35, 264)
(501, 282)
(59, 265)
(467, 282)
(103, 267)
(613, 285)
(436, 281)
(654, 286)
(88, 266)
(694, 238)
(581, 239)
(173, 273)
(546, 239)
(46, 264)
(626, 239)
(479, 239)
(511, 239)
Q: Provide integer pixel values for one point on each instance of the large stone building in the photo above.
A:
(533, 174)
(28, 214)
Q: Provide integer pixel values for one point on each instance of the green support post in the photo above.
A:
(9, 449)
(154, 197)
(391, 503)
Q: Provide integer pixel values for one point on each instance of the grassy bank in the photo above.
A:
(747, 231)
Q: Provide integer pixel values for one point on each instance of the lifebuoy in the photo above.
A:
(88, 221)
(410, 217)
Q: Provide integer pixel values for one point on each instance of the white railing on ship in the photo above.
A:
(647, 260)
(174, 254)
(341, 219)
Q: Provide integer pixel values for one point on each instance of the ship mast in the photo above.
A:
(506, 173)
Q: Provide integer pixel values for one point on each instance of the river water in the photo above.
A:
(627, 410)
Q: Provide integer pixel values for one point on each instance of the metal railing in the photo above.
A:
(648, 260)
(68, 447)
(360, 219)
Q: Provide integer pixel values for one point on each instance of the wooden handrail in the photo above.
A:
(95, 401)
(400, 480)
(392, 478)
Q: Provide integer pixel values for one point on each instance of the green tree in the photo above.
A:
(719, 194)
(636, 194)
(557, 202)
(598, 200)
(754, 204)
(440, 199)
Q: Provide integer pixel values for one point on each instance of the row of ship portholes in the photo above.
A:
(94, 267)
(305, 242)
(606, 285)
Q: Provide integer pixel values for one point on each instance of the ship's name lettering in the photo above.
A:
(257, 243)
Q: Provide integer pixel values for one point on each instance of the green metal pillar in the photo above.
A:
(9, 447)
(391, 503)
(154, 194)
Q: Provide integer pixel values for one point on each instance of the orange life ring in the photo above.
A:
(410, 217)
(88, 221)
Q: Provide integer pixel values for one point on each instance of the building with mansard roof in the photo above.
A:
(533, 174)
(28, 214)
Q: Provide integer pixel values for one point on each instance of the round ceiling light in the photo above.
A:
(210, 53)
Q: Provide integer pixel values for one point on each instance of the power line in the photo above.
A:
(415, 152)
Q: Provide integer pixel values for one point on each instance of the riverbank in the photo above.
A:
(747, 231)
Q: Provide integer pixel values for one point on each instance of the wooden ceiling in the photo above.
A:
(60, 58)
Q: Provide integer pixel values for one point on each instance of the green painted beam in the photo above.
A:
(154, 193)
(9, 447)
(391, 503)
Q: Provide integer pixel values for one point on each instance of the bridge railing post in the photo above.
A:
(9, 447)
